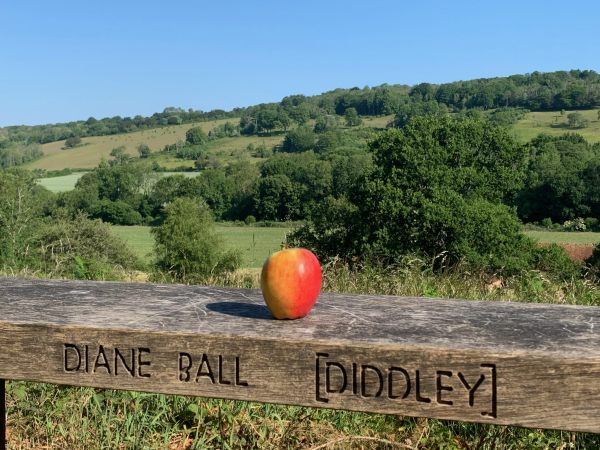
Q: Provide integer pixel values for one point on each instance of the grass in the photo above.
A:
(255, 243)
(67, 182)
(563, 237)
(62, 183)
(553, 123)
(96, 148)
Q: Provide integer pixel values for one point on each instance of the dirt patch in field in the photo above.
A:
(577, 252)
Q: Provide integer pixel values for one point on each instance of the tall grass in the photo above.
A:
(51, 417)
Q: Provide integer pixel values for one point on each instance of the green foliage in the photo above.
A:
(552, 259)
(21, 209)
(301, 139)
(116, 212)
(73, 141)
(436, 190)
(507, 116)
(325, 122)
(593, 262)
(196, 136)
(576, 120)
(15, 154)
(227, 129)
(81, 248)
(144, 151)
(352, 117)
(187, 246)
(563, 179)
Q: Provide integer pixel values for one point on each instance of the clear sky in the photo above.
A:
(69, 60)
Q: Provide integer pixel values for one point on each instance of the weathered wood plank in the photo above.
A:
(493, 362)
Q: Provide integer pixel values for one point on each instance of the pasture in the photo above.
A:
(254, 243)
(96, 148)
(67, 182)
(553, 123)
(563, 237)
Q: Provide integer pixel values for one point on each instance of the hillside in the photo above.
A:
(555, 123)
(96, 148)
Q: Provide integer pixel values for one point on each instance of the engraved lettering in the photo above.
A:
(208, 372)
(493, 412)
(363, 380)
(73, 350)
(238, 380)
(141, 362)
(406, 383)
(419, 397)
(104, 363)
(119, 357)
(391, 371)
(318, 395)
(440, 387)
(469, 388)
(184, 369)
(222, 380)
(328, 387)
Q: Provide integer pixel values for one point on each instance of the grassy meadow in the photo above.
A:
(553, 123)
(562, 237)
(95, 148)
(254, 243)
(67, 182)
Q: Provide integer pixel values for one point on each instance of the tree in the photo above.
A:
(577, 120)
(299, 140)
(352, 117)
(187, 246)
(144, 151)
(73, 141)
(325, 122)
(196, 136)
(436, 190)
(119, 154)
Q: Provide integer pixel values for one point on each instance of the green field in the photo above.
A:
(61, 184)
(563, 237)
(255, 243)
(552, 122)
(67, 182)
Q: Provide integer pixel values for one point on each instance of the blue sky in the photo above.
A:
(69, 60)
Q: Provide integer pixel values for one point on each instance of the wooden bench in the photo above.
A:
(530, 365)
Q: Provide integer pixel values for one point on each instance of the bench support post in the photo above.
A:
(2, 415)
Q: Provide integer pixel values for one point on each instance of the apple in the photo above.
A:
(291, 282)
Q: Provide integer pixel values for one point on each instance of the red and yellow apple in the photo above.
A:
(291, 282)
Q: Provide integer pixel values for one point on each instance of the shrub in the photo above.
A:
(187, 246)
(73, 141)
(82, 248)
(299, 140)
(196, 136)
(554, 260)
(117, 212)
(593, 261)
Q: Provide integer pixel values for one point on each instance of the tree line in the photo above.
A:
(575, 89)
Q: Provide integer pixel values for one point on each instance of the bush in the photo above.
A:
(117, 212)
(187, 246)
(554, 260)
(73, 141)
(196, 136)
(593, 261)
(299, 140)
(82, 248)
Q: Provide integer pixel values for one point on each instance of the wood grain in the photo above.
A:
(494, 362)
